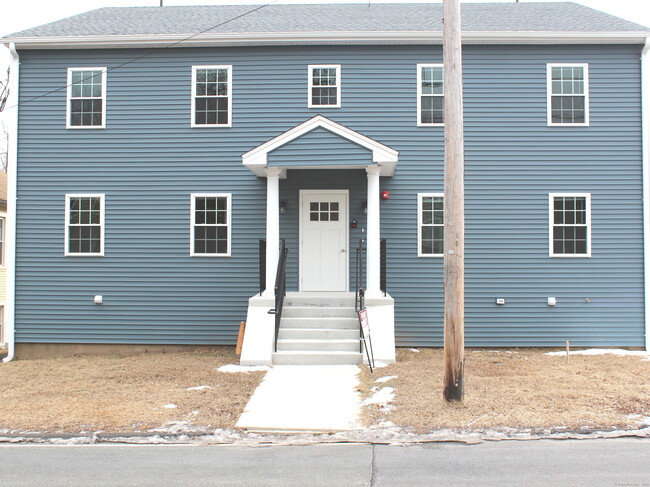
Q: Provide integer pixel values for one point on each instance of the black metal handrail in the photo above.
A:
(280, 289)
(359, 292)
(382, 265)
(262, 261)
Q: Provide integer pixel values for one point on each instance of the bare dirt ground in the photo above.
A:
(123, 393)
(515, 388)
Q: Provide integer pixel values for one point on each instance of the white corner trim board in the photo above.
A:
(10, 242)
(645, 140)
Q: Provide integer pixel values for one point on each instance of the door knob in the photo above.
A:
(343, 251)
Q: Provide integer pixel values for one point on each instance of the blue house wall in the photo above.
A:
(148, 160)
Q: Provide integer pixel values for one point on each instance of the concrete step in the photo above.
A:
(317, 334)
(318, 311)
(320, 299)
(331, 345)
(312, 322)
(316, 358)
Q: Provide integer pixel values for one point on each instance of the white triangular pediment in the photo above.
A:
(386, 158)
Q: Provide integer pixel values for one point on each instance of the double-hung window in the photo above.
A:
(431, 95)
(210, 225)
(568, 94)
(430, 224)
(570, 224)
(84, 224)
(86, 98)
(211, 96)
(324, 86)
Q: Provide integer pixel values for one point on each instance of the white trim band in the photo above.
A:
(367, 37)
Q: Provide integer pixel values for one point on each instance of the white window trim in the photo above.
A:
(102, 225)
(419, 228)
(69, 97)
(551, 198)
(193, 197)
(227, 67)
(420, 94)
(549, 94)
(310, 85)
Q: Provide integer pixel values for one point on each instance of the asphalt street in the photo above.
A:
(611, 462)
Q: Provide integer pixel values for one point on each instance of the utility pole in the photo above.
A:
(454, 230)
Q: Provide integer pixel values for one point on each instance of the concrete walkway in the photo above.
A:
(313, 398)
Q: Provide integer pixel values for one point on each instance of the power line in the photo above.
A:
(6, 88)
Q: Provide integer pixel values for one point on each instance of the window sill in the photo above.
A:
(85, 127)
(84, 255)
(210, 255)
(568, 125)
(564, 256)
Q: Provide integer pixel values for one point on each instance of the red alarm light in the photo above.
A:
(385, 195)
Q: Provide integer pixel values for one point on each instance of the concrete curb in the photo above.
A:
(373, 436)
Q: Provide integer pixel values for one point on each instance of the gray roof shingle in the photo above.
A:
(414, 17)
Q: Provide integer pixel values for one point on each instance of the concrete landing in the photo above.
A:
(305, 398)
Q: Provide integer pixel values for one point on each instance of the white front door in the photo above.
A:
(323, 240)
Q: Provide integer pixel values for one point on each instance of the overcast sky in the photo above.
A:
(18, 15)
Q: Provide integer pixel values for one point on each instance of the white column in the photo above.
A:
(373, 254)
(272, 226)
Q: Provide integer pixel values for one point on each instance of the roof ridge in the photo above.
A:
(525, 17)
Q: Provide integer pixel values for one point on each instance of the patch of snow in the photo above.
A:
(244, 368)
(71, 441)
(385, 432)
(179, 427)
(603, 351)
(382, 397)
(642, 421)
(170, 406)
(386, 378)
(198, 388)
(379, 365)
(414, 350)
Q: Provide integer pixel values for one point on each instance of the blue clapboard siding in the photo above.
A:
(148, 160)
(320, 147)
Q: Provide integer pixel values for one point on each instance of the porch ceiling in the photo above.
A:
(383, 156)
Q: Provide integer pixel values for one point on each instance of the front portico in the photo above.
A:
(317, 223)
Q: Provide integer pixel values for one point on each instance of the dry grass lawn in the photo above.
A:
(516, 388)
(123, 393)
